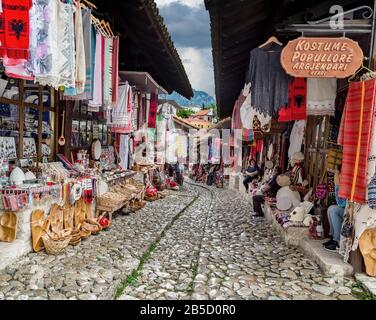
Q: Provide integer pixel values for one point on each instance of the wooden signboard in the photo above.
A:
(322, 57)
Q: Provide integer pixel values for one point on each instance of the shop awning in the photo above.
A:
(142, 81)
(145, 43)
(238, 26)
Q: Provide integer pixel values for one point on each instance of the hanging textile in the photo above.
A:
(248, 114)
(97, 87)
(371, 163)
(15, 29)
(321, 96)
(296, 137)
(87, 34)
(354, 136)
(44, 55)
(66, 45)
(120, 117)
(115, 70)
(107, 74)
(296, 108)
(153, 109)
(235, 120)
(135, 112)
(269, 81)
(124, 151)
(80, 69)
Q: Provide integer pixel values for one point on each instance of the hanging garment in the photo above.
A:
(115, 71)
(44, 55)
(236, 122)
(80, 70)
(97, 88)
(296, 137)
(248, 114)
(354, 137)
(297, 97)
(269, 81)
(135, 112)
(107, 75)
(66, 45)
(120, 117)
(371, 164)
(124, 151)
(153, 109)
(15, 29)
(321, 96)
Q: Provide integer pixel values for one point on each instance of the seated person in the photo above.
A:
(251, 173)
(335, 217)
(296, 173)
(269, 189)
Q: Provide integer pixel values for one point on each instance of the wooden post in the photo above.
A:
(21, 117)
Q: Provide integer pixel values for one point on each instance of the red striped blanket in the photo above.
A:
(355, 137)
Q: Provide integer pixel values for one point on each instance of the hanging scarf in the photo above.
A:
(107, 74)
(153, 109)
(80, 69)
(97, 89)
(15, 29)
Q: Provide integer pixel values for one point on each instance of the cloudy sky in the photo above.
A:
(189, 26)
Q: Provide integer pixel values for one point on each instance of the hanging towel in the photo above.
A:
(97, 89)
(124, 151)
(107, 72)
(153, 109)
(80, 70)
(355, 135)
(296, 137)
(120, 117)
(66, 45)
(15, 29)
(115, 70)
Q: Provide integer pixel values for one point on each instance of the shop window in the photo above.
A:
(27, 122)
(87, 126)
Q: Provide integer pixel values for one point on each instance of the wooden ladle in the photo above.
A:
(62, 138)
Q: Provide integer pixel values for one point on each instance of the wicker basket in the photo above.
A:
(54, 247)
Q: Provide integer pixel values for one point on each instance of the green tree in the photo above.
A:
(184, 113)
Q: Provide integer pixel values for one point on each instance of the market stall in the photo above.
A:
(67, 123)
(306, 107)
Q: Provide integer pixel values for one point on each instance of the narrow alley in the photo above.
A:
(199, 243)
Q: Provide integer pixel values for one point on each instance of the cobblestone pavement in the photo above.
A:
(200, 243)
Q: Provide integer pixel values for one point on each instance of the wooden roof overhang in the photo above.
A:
(238, 26)
(145, 43)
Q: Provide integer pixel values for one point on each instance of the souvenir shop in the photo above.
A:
(308, 107)
(68, 118)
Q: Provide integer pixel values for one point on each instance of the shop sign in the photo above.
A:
(322, 57)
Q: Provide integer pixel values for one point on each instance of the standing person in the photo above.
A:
(251, 173)
(270, 189)
(335, 216)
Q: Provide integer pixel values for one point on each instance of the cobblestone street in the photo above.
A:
(199, 243)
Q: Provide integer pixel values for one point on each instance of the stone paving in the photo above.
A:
(200, 243)
(95, 268)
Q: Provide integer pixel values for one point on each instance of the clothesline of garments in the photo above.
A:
(60, 44)
(271, 93)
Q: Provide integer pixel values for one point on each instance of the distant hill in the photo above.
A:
(200, 98)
